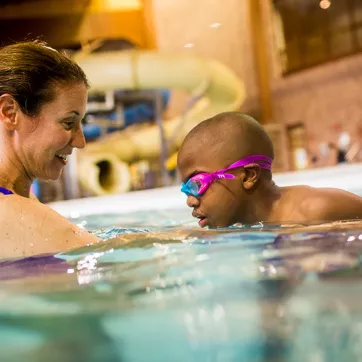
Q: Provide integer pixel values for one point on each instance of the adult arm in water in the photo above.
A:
(30, 228)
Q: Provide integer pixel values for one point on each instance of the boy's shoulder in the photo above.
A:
(328, 204)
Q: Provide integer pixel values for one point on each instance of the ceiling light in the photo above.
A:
(325, 4)
(215, 25)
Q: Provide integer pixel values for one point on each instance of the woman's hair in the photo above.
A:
(30, 70)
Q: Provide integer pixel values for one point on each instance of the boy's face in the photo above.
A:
(224, 202)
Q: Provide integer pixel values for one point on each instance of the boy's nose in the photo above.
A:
(192, 201)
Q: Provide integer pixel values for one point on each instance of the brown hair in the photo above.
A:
(29, 70)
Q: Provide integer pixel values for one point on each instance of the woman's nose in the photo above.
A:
(78, 140)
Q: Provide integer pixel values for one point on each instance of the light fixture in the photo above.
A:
(189, 45)
(325, 4)
(215, 25)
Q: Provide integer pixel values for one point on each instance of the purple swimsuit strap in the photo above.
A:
(5, 191)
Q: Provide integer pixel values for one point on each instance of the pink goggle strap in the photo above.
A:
(263, 161)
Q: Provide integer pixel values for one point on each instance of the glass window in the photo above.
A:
(316, 31)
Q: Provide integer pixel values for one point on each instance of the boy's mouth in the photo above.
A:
(203, 222)
(202, 219)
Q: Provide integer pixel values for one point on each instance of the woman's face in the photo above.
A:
(45, 141)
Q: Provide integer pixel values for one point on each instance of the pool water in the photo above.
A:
(264, 293)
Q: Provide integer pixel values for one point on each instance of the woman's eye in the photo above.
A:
(68, 125)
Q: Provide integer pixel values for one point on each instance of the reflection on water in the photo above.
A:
(258, 294)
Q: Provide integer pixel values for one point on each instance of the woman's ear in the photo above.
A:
(9, 110)
(252, 175)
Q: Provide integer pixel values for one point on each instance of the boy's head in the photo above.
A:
(215, 144)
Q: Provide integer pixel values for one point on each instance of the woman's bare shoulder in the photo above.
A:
(28, 227)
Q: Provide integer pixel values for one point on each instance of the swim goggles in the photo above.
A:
(198, 184)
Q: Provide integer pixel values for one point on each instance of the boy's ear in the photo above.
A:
(9, 112)
(252, 175)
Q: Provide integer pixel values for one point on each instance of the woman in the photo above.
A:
(43, 97)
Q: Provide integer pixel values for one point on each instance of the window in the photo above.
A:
(311, 32)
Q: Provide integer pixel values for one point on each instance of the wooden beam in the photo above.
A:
(257, 25)
(75, 29)
(117, 24)
(55, 8)
(149, 25)
(68, 22)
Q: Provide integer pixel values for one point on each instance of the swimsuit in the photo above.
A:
(5, 191)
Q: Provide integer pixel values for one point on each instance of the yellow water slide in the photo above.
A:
(213, 87)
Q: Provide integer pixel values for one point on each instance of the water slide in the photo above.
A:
(213, 88)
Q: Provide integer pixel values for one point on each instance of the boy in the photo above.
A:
(225, 164)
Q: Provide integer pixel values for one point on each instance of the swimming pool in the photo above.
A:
(257, 294)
